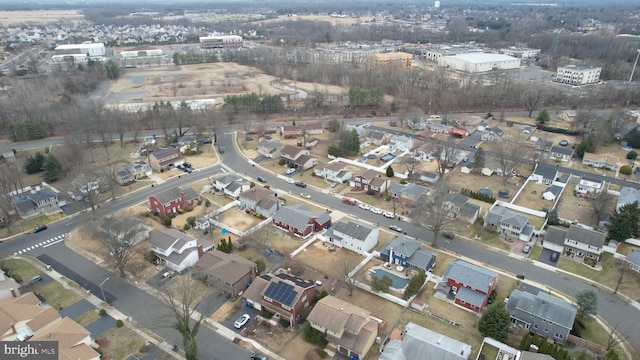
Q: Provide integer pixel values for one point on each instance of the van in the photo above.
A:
(261, 179)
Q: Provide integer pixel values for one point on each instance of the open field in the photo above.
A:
(475, 182)
(572, 208)
(531, 196)
(10, 18)
(333, 20)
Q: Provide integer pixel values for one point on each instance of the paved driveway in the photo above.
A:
(545, 257)
(101, 326)
(76, 309)
(243, 310)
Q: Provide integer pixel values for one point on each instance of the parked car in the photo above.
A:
(40, 228)
(300, 184)
(261, 179)
(221, 149)
(305, 195)
(349, 201)
(364, 206)
(526, 249)
(242, 320)
(448, 234)
(376, 211)
(186, 164)
(555, 256)
(290, 180)
(206, 140)
(395, 228)
(388, 214)
(258, 356)
(291, 171)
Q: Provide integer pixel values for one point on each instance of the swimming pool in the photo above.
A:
(396, 281)
(387, 157)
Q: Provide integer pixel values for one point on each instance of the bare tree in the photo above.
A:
(90, 184)
(410, 164)
(621, 268)
(118, 234)
(532, 97)
(615, 338)
(507, 152)
(181, 299)
(395, 203)
(446, 155)
(260, 237)
(600, 203)
(435, 214)
(346, 266)
(10, 180)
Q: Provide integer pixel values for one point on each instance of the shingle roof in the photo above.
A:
(474, 276)
(290, 151)
(546, 171)
(226, 267)
(472, 297)
(543, 306)
(468, 210)
(257, 193)
(299, 216)
(586, 236)
(175, 193)
(376, 135)
(368, 174)
(401, 245)
(555, 190)
(628, 195)
(421, 258)
(457, 199)
(512, 218)
(555, 235)
(562, 150)
(421, 343)
(355, 229)
(162, 153)
(633, 257)
(167, 238)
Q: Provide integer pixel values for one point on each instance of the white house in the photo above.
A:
(589, 186)
(401, 143)
(551, 193)
(232, 185)
(177, 250)
(336, 171)
(492, 134)
(544, 174)
(353, 235)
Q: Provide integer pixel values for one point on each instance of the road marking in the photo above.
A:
(53, 243)
(46, 243)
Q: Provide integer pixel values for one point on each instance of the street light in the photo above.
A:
(102, 290)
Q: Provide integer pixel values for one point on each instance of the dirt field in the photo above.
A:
(238, 220)
(475, 182)
(333, 20)
(10, 18)
(576, 208)
(531, 196)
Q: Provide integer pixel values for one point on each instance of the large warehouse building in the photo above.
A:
(141, 54)
(479, 62)
(221, 42)
(578, 74)
(79, 52)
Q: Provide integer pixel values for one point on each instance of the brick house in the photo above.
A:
(168, 202)
(225, 271)
(283, 295)
(165, 159)
(289, 131)
(468, 285)
(300, 221)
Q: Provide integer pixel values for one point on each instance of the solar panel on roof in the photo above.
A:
(281, 292)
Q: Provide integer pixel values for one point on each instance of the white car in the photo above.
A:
(388, 214)
(290, 180)
(291, 171)
(364, 206)
(242, 320)
(376, 211)
(305, 195)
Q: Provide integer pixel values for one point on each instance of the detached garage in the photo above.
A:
(554, 239)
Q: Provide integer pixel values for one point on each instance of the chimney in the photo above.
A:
(200, 251)
(13, 328)
(14, 293)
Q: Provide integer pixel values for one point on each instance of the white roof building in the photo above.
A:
(479, 62)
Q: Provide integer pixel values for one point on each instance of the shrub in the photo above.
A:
(312, 335)
(321, 295)
(403, 182)
(626, 170)
(323, 354)
(150, 256)
(189, 208)
(180, 211)
(207, 203)
(281, 162)
(119, 323)
(166, 221)
(103, 312)
(186, 227)
(266, 314)
(191, 220)
(632, 155)
(371, 192)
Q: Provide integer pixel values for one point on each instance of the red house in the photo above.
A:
(468, 285)
(169, 201)
(282, 294)
(300, 221)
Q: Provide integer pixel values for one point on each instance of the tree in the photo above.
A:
(587, 301)
(600, 203)
(261, 265)
(620, 267)
(624, 222)
(531, 98)
(346, 267)
(259, 236)
(112, 69)
(52, 168)
(626, 170)
(552, 217)
(446, 155)
(181, 300)
(507, 153)
(334, 125)
(118, 234)
(495, 322)
(543, 117)
(478, 160)
(390, 173)
(34, 163)
(381, 284)
(10, 181)
(632, 155)
(435, 213)
(89, 184)
(415, 284)
(633, 137)
(335, 150)
(410, 164)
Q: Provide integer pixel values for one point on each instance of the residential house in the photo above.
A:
(202, 223)
(305, 162)
(408, 192)
(36, 201)
(300, 221)
(544, 145)
(289, 131)
(508, 223)
(440, 128)
(567, 115)
(269, 148)
(350, 330)
(460, 208)
(360, 130)
(582, 242)
(426, 151)
(493, 134)
(228, 272)
(25, 318)
(633, 260)
(138, 170)
(545, 174)
(232, 185)
(123, 177)
(429, 176)
(177, 250)
(334, 171)
(8, 286)
(554, 239)
(186, 142)
(468, 120)
(417, 342)
(588, 186)
(628, 195)
(165, 159)
(400, 143)
(311, 142)
(291, 153)
(261, 201)
(551, 193)
(561, 153)
(542, 314)
(469, 285)
(353, 235)
(376, 137)
(312, 128)
(606, 161)
(285, 296)
(369, 180)
(459, 133)
(418, 123)
(170, 201)
(408, 253)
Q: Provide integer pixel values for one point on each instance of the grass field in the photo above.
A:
(10, 18)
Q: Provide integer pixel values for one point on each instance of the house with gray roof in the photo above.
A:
(628, 195)
(418, 123)
(36, 202)
(589, 185)
(542, 314)
(461, 208)
(551, 193)
(554, 239)
(633, 260)
(261, 201)
(353, 235)
(376, 137)
(468, 285)
(360, 129)
(300, 221)
(417, 342)
(508, 223)
(493, 134)
(408, 253)
(232, 185)
(400, 143)
(581, 242)
(561, 153)
(177, 250)
(269, 148)
(440, 128)
(545, 174)
(408, 192)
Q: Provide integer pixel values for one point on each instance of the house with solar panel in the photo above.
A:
(467, 285)
(408, 253)
(285, 296)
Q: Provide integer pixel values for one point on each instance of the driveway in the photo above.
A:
(234, 316)
(545, 257)
(260, 159)
(212, 302)
(101, 326)
(472, 140)
(76, 309)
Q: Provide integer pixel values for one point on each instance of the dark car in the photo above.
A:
(40, 228)
(186, 164)
(448, 234)
(258, 356)
(555, 256)
(300, 184)
(261, 179)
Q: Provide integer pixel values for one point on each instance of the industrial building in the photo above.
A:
(578, 74)
(221, 42)
(141, 54)
(520, 52)
(478, 62)
(79, 53)
(434, 53)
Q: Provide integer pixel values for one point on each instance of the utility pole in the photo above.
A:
(634, 65)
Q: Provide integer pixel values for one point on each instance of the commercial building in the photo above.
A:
(221, 42)
(479, 62)
(520, 52)
(79, 53)
(396, 59)
(141, 54)
(578, 74)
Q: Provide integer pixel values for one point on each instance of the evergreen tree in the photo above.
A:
(587, 301)
(52, 168)
(478, 160)
(390, 172)
(495, 322)
(543, 117)
(34, 163)
(552, 217)
(624, 223)
(415, 284)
